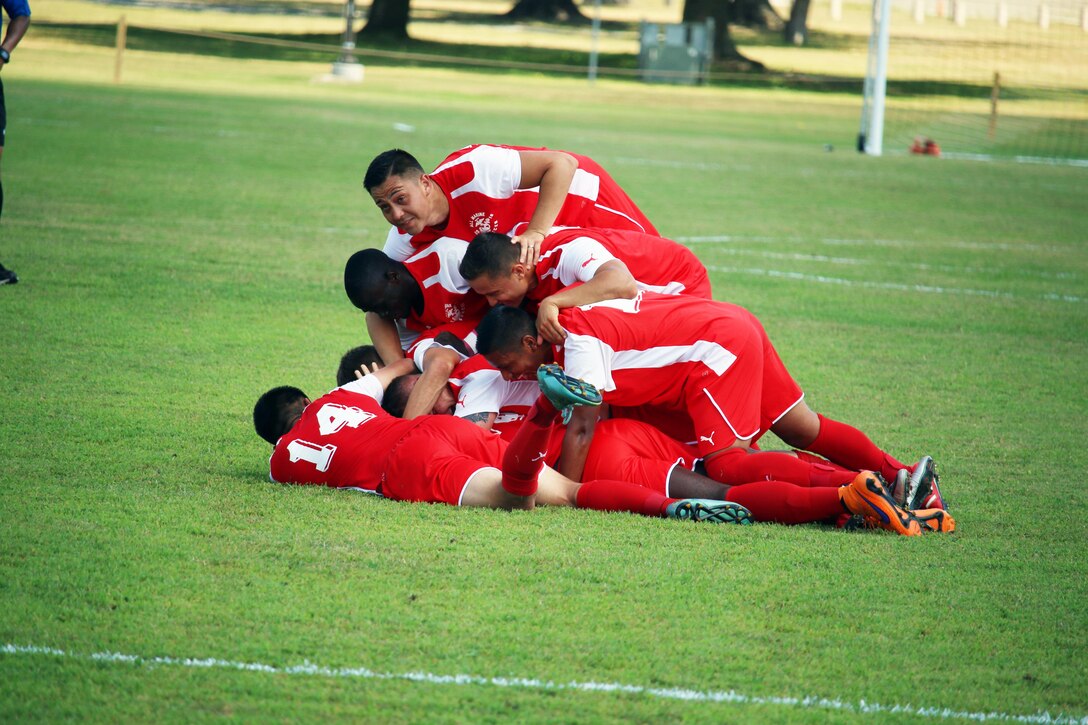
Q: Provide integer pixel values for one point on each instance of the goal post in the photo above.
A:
(871, 133)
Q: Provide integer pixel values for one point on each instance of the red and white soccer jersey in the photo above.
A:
(711, 359)
(569, 256)
(345, 440)
(447, 297)
(481, 184)
(480, 388)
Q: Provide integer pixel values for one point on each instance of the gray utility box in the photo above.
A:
(676, 52)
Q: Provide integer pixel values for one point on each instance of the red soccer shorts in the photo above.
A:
(435, 460)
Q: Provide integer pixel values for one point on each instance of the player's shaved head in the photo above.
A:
(393, 162)
(490, 254)
(277, 411)
(502, 329)
(376, 283)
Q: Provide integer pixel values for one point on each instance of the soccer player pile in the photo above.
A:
(604, 375)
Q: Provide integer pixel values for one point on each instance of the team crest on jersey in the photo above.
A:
(455, 313)
(482, 222)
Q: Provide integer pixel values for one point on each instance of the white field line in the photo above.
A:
(920, 266)
(897, 286)
(904, 243)
(727, 696)
(869, 284)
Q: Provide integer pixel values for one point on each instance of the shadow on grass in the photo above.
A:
(419, 53)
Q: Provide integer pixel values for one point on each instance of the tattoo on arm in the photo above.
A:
(477, 417)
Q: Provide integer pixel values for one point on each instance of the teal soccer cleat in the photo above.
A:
(564, 391)
(704, 509)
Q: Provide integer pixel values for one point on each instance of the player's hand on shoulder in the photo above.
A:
(547, 323)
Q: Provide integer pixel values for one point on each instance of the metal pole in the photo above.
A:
(595, 40)
(346, 66)
(874, 142)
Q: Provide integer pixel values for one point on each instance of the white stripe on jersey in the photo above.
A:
(594, 361)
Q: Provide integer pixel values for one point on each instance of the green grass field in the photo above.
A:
(181, 240)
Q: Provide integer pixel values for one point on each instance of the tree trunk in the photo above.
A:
(555, 11)
(755, 14)
(725, 50)
(796, 31)
(387, 18)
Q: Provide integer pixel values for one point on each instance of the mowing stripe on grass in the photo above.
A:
(729, 696)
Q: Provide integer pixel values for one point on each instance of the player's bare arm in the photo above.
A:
(438, 363)
(484, 420)
(611, 281)
(383, 334)
(576, 442)
(553, 172)
(16, 30)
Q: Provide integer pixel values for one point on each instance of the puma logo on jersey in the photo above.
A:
(709, 439)
(591, 258)
(539, 456)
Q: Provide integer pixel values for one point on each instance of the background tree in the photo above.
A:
(388, 19)
(796, 30)
(561, 11)
(723, 13)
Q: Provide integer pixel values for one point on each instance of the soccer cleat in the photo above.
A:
(866, 495)
(705, 509)
(935, 520)
(898, 488)
(7, 276)
(564, 391)
(923, 492)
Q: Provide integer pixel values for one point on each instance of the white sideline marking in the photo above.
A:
(670, 693)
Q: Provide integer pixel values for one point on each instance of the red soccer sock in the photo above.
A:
(819, 460)
(525, 455)
(785, 503)
(603, 495)
(849, 447)
(736, 466)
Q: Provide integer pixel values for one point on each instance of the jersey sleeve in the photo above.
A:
(481, 392)
(589, 359)
(580, 259)
(368, 386)
(398, 246)
(495, 172)
(17, 8)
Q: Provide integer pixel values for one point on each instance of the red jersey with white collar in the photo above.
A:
(569, 256)
(481, 184)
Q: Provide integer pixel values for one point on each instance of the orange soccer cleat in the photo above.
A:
(866, 496)
(935, 520)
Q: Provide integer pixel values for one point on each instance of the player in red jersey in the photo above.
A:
(578, 267)
(428, 293)
(346, 440)
(489, 188)
(710, 360)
